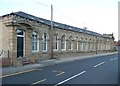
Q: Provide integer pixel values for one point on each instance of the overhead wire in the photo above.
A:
(59, 13)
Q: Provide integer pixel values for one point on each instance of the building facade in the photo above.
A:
(26, 37)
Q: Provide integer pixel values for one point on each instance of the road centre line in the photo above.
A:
(39, 82)
(57, 71)
(113, 59)
(99, 64)
(60, 73)
(70, 78)
(18, 73)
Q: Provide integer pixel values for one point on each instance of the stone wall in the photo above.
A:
(8, 41)
(0, 37)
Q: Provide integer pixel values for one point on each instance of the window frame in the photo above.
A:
(35, 42)
(81, 44)
(63, 42)
(55, 42)
(44, 42)
(76, 43)
(70, 43)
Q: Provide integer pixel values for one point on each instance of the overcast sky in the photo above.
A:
(97, 15)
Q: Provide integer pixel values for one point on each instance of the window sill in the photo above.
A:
(44, 52)
(55, 49)
(63, 49)
(35, 51)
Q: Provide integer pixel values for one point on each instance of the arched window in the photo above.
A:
(44, 42)
(55, 42)
(94, 44)
(34, 42)
(86, 45)
(90, 44)
(63, 42)
(70, 43)
(20, 33)
(81, 44)
(76, 43)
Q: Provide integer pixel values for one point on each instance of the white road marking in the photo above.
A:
(99, 64)
(39, 81)
(57, 71)
(113, 59)
(70, 78)
(60, 73)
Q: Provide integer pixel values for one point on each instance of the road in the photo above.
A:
(98, 70)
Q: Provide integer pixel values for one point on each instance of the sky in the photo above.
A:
(97, 15)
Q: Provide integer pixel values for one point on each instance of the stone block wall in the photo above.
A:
(8, 41)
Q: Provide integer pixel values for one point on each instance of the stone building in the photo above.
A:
(25, 38)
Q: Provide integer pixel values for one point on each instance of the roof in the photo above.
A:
(55, 24)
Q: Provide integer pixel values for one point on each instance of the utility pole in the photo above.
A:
(51, 16)
(51, 34)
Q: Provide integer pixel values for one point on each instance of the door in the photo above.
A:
(20, 46)
(20, 43)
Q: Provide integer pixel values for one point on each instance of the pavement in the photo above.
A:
(40, 64)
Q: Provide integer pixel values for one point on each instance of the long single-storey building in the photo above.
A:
(26, 38)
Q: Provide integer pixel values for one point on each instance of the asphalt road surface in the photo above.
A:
(98, 70)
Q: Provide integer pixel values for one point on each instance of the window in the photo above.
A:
(93, 46)
(81, 44)
(90, 45)
(108, 47)
(63, 42)
(87, 46)
(70, 43)
(101, 46)
(34, 42)
(76, 43)
(44, 42)
(107, 40)
(98, 46)
(55, 42)
(20, 32)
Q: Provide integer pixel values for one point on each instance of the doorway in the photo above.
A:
(20, 43)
